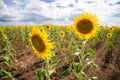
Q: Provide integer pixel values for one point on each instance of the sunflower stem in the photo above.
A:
(83, 52)
(47, 68)
(81, 56)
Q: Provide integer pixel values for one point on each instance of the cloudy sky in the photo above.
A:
(62, 12)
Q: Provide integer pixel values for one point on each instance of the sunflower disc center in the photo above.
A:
(61, 33)
(38, 43)
(84, 26)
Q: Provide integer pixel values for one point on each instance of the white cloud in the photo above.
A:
(57, 12)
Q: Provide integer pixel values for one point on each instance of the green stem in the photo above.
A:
(76, 74)
(81, 56)
(82, 53)
(47, 67)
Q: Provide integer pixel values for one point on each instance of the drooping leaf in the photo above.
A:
(82, 75)
(52, 71)
(75, 50)
(91, 53)
(41, 73)
(93, 78)
(65, 73)
(54, 63)
(6, 63)
(91, 63)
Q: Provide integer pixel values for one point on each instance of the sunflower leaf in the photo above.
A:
(82, 75)
(91, 53)
(77, 67)
(93, 78)
(92, 64)
(75, 50)
(41, 73)
(66, 73)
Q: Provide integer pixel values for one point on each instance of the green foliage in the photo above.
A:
(66, 73)
(4, 73)
(91, 53)
(41, 73)
(8, 54)
(82, 75)
(91, 63)
(77, 67)
(75, 50)
(48, 70)
(93, 78)
(110, 42)
(52, 66)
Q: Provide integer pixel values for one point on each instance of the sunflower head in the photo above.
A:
(109, 35)
(68, 29)
(41, 29)
(62, 34)
(112, 28)
(48, 27)
(40, 44)
(86, 26)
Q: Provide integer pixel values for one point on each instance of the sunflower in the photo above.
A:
(68, 29)
(40, 44)
(48, 27)
(112, 28)
(41, 29)
(109, 35)
(86, 26)
(62, 34)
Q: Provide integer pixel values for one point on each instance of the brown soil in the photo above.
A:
(25, 65)
(108, 63)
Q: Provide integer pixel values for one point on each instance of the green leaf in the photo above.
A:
(91, 53)
(54, 63)
(2, 73)
(6, 63)
(82, 75)
(91, 63)
(77, 67)
(12, 56)
(5, 73)
(53, 54)
(93, 78)
(6, 58)
(52, 71)
(10, 76)
(65, 73)
(41, 73)
(75, 50)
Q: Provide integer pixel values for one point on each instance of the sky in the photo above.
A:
(60, 12)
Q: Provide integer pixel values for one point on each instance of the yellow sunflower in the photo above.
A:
(86, 26)
(40, 44)
(62, 34)
(41, 29)
(112, 28)
(109, 35)
(68, 29)
(48, 27)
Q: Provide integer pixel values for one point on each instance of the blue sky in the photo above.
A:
(61, 12)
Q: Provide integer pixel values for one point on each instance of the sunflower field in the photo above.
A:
(85, 50)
